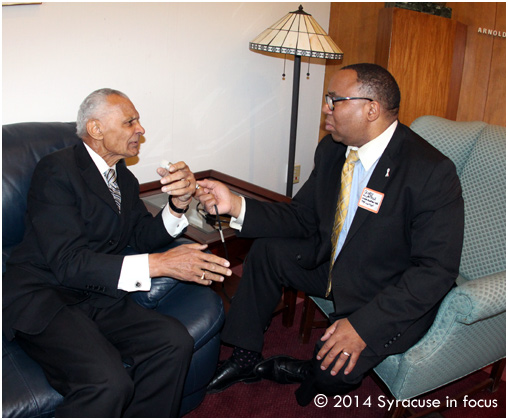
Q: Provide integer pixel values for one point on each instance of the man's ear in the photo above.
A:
(93, 127)
(373, 111)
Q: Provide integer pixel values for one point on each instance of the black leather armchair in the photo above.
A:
(25, 391)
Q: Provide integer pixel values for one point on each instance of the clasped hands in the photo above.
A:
(179, 182)
(185, 262)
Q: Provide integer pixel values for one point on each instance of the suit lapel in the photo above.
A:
(379, 181)
(93, 177)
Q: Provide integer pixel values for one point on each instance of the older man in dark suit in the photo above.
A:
(66, 285)
(378, 228)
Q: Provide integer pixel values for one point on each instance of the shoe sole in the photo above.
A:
(250, 380)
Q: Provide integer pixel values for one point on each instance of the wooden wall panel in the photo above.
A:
(495, 109)
(353, 27)
(418, 49)
(476, 79)
(483, 95)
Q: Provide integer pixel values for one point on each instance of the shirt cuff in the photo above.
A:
(174, 225)
(237, 222)
(135, 274)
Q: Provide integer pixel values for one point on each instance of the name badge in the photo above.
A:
(371, 200)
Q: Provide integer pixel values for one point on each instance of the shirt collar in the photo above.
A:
(101, 164)
(370, 152)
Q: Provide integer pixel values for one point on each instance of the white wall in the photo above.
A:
(203, 96)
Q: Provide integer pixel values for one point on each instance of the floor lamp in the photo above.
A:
(297, 34)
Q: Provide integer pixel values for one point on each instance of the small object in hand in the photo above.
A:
(165, 164)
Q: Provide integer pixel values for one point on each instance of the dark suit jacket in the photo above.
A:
(74, 238)
(396, 265)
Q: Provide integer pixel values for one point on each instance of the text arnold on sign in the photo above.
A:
(491, 32)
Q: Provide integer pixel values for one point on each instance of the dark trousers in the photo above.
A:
(120, 361)
(270, 265)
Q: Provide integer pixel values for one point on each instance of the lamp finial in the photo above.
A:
(300, 11)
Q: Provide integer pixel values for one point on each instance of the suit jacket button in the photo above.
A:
(298, 257)
(111, 242)
(386, 345)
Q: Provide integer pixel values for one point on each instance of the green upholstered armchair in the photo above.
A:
(469, 331)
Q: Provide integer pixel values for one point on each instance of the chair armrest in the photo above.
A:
(469, 332)
(466, 304)
(486, 297)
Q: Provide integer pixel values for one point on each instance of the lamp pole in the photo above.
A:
(297, 34)
(294, 123)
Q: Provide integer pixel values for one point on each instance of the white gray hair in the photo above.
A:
(91, 107)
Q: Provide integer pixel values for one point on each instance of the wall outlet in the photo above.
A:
(296, 174)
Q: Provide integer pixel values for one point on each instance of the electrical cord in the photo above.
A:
(209, 218)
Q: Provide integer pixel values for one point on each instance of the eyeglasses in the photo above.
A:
(330, 101)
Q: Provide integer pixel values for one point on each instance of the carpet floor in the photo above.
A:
(266, 399)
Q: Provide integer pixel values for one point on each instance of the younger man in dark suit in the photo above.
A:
(377, 228)
(65, 291)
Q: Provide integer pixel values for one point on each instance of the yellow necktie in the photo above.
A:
(342, 205)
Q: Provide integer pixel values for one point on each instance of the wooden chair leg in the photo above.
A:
(397, 412)
(288, 313)
(496, 374)
(309, 311)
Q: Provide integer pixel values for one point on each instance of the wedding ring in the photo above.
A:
(346, 353)
(203, 276)
(197, 187)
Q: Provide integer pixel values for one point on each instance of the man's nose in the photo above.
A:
(140, 129)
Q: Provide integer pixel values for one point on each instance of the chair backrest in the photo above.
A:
(23, 145)
(479, 153)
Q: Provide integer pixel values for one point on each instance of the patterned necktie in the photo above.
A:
(110, 175)
(342, 206)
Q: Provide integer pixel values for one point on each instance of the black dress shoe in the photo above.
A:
(229, 373)
(283, 369)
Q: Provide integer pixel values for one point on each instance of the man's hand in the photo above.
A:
(216, 193)
(189, 263)
(341, 339)
(178, 181)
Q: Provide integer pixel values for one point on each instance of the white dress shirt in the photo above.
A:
(135, 273)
